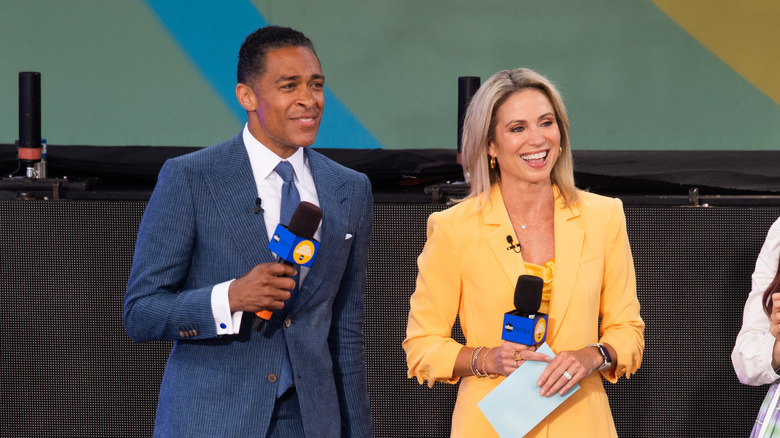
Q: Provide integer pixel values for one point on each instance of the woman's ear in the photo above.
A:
(246, 97)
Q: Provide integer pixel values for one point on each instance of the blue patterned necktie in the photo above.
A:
(290, 200)
(290, 196)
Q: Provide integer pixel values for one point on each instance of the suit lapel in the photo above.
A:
(569, 239)
(233, 190)
(334, 202)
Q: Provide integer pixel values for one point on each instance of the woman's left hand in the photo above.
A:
(566, 369)
(774, 317)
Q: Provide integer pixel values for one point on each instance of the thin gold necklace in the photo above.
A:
(524, 226)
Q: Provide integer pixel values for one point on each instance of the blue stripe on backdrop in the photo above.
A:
(211, 32)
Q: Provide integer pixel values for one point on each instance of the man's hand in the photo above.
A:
(265, 287)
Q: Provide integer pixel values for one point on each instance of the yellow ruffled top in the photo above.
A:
(545, 272)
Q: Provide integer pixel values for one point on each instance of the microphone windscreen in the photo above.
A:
(528, 294)
(305, 220)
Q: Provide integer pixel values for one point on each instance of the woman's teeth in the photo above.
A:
(536, 156)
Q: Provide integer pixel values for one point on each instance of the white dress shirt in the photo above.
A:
(269, 190)
(752, 354)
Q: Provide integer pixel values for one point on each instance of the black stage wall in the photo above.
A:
(68, 368)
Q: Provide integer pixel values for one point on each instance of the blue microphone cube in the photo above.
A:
(526, 330)
(292, 248)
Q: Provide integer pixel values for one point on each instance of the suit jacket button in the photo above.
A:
(287, 322)
(189, 333)
(272, 378)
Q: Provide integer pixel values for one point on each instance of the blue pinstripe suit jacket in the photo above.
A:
(198, 231)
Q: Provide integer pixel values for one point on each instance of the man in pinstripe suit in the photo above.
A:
(202, 269)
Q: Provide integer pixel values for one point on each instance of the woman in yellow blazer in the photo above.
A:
(525, 216)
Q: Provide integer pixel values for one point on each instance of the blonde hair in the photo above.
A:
(479, 127)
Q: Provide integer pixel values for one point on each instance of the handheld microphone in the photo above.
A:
(294, 244)
(525, 325)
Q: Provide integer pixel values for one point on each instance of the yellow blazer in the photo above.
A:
(465, 270)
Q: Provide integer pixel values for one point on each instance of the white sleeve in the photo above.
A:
(752, 354)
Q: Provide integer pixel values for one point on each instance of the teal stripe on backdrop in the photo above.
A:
(211, 32)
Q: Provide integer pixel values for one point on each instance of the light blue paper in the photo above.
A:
(515, 407)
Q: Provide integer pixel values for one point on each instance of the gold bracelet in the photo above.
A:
(474, 356)
(474, 367)
(484, 360)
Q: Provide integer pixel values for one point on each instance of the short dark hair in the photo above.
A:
(251, 56)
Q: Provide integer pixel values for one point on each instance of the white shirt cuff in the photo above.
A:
(227, 323)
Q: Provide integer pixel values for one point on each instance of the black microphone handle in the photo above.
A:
(258, 324)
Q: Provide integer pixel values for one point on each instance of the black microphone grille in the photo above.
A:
(305, 220)
(528, 294)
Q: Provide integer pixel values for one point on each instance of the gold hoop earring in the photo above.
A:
(492, 162)
(560, 148)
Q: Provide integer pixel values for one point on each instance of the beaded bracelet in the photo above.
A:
(474, 357)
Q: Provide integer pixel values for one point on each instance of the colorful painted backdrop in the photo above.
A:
(636, 75)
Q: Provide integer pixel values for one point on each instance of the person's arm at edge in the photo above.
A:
(431, 353)
(756, 351)
(622, 327)
(155, 309)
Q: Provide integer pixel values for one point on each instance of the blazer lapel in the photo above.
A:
(335, 204)
(495, 215)
(569, 239)
(233, 190)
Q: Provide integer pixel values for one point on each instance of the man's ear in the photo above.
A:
(246, 97)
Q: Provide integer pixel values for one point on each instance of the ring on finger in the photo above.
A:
(567, 375)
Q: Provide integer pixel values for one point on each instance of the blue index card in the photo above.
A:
(515, 407)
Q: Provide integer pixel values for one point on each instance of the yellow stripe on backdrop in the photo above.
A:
(745, 34)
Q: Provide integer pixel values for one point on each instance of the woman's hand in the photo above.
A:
(509, 356)
(774, 317)
(568, 368)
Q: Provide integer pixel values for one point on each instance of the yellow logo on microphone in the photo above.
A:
(540, 329)
(303, 252)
